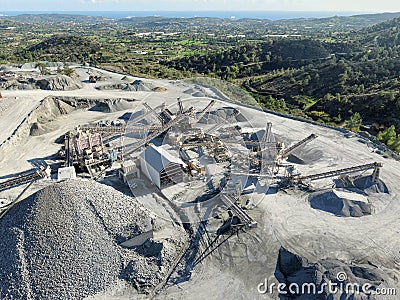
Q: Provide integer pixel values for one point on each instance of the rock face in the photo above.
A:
(64, 243)
(58, 83)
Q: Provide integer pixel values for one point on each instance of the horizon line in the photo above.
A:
(259, 11)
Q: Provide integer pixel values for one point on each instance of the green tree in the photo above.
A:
(68, 71)
(42, 68)
(388, 135)
(354, 122)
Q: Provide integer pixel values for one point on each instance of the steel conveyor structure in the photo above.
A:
(29, 176)
(375, 176)
(289, 150)
(243, 216)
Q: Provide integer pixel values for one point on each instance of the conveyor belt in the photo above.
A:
(223, 122)
(145, 114)
(253, 175)
(298, 144)
(243, 216)
(152, 111)
(204, 111)
(105, 129)
(29, 177)
(374, 166)
(156, 133)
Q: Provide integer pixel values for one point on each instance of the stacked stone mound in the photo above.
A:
(58, 83)
(51, 82)
(330, 202)
(136, 86)
(14, 84)
(63, 243)
(112, 105)
(293, 270)
(160, 89)
(217, 116)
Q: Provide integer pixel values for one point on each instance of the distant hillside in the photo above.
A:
(164, 23)
(249, 59)
(385, 34)
(343, 23)
(54, 18)
(352, 22)
(61, 48)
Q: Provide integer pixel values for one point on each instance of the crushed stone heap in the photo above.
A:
(64, 243)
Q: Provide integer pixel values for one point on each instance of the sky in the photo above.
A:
(202, 5)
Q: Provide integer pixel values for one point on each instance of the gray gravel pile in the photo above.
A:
(48, 64)
(189, 91)
(198, 94)
(51, 82)
(147, 271)
(112, 105)
(330, 202)
(16, 85)
(366, 184)
(136, 86)
(216, 116)
(58, 83)
(139, 86)
(306, 154)
(63, 243)
(292, 269)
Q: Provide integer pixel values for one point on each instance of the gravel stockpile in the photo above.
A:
(136, 86)
(63, 243)
(16, 85)
(293, 269)
(51, 82)
(366, 184)
(338, 205)
(216, 116)
(112, 105)
(58, 83)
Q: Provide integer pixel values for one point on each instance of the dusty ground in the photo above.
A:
(284, 219)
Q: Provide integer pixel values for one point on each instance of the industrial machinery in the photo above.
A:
(85, 149)
(286, 152)
(25, 177)
(230, 202)
(195, 167)
(297, 179)
(202, 113)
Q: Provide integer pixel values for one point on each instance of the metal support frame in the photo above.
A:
(376, 166)
(287, 152)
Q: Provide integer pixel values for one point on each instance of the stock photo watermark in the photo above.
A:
(311, 288)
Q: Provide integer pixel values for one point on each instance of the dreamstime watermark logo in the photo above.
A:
(311, 288)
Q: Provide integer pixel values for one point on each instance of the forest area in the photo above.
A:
(341, 71)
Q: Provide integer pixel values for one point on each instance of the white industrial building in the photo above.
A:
(161, 167)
